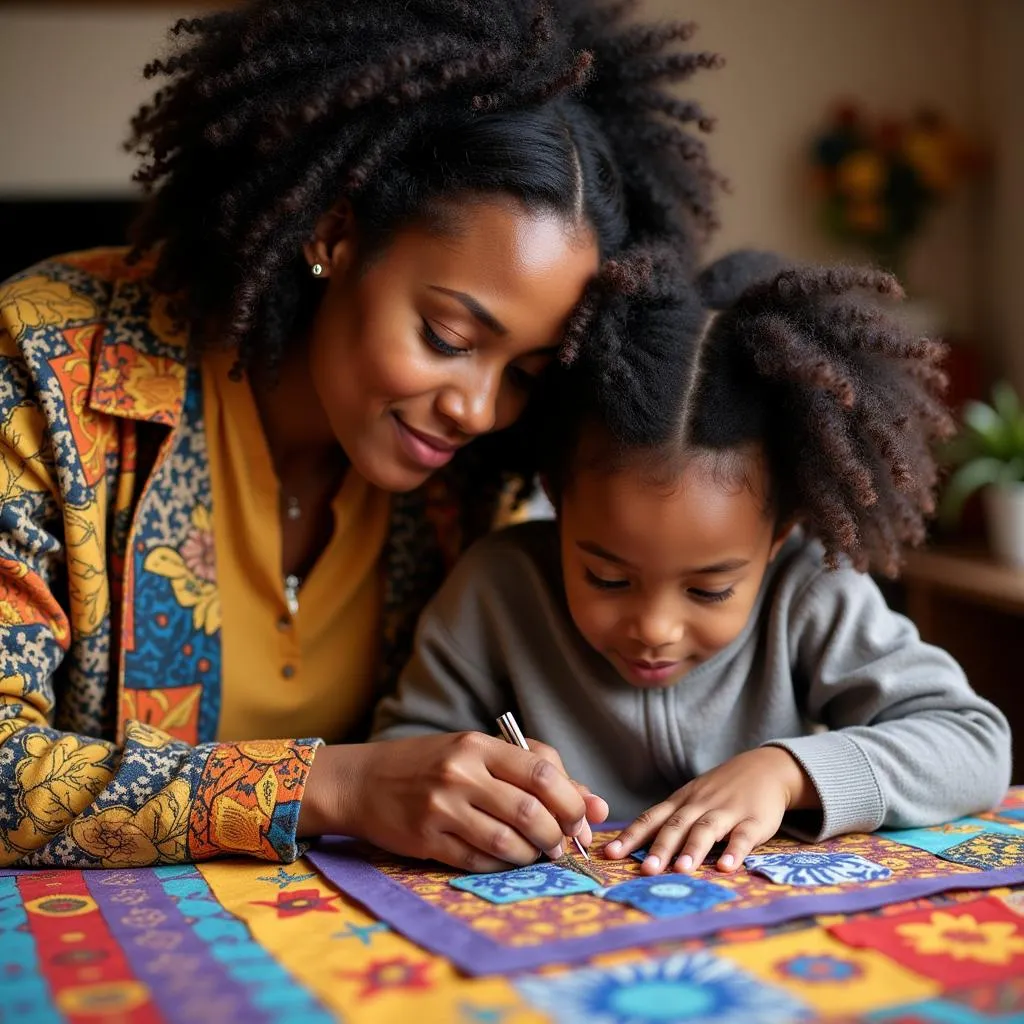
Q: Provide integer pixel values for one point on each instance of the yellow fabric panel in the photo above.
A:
(310, 674)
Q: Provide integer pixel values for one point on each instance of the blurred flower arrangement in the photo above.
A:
(879, 179)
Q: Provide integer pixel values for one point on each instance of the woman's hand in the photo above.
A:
(743, 799)
(466, 799)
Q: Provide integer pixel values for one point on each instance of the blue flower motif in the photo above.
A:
(816, 868)
(819, 967)
(668, 895)
(686, 988)
(525, 883)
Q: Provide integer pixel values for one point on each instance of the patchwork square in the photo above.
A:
(811, 869)
(827, 974)
(988, 851)
(938, 838)
(693, 987)
(668, 895)
(525, 883)
(957, 945)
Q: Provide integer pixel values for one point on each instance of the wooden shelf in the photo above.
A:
(969, 604)
(967, 573)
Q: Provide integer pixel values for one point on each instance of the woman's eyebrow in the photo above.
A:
(485, 316)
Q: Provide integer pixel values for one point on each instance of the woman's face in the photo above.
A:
(438, 338)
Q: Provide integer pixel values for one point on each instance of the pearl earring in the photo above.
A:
(318, 269)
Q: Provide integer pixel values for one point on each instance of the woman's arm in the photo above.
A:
(69, 799)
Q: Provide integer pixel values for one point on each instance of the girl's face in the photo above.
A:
(659, 579)
(439, 338)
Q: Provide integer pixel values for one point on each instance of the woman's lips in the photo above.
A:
(425, 449)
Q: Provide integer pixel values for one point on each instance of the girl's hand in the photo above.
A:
(466, 799)
(743, 799)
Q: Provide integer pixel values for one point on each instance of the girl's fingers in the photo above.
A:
(747, 834)
(707, 830)
(668, 841)
(639, 831)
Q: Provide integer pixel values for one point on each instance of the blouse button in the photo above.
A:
(288, 671)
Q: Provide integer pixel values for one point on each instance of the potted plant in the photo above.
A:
(988, 455)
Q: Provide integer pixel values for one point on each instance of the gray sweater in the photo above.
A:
(907, 741)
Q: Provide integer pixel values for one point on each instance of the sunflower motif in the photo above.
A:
(964, 937)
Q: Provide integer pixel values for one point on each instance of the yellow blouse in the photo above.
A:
(287, 674)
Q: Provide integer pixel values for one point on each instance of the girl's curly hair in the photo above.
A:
(275, 111)
(811, 364)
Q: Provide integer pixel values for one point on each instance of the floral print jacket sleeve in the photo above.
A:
(109, 638)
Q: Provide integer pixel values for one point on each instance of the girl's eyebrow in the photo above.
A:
(480, 313)
(595, 549)
(728, 565)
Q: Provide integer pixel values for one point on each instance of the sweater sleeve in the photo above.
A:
(454, 681)
(908, 743)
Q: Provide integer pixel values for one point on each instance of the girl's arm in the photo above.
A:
(909, 743)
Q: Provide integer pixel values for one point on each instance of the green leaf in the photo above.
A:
(964, 482)
(1013, 471)
(985, 423)
(1006, 402)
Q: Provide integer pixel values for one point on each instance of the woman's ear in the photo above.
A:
(333, 245)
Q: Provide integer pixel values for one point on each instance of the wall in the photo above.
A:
(787, 62)
(1002, 82)
(71, 77)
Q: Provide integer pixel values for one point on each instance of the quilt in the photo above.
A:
(527, 919)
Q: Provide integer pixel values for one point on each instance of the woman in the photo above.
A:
(232, 466)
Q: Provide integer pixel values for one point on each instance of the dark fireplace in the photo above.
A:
(32, 229)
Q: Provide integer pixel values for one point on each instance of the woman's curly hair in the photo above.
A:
(811, 364)
(276, 110)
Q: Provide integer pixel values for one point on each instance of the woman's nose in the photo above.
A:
(472, 405)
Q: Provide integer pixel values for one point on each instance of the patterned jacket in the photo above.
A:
(109, 609)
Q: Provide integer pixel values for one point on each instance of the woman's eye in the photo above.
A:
(435, 341)
(521, 378)
(602, 584)
(712, 596)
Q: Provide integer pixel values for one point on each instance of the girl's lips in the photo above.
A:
(652, 671)
(425, 449)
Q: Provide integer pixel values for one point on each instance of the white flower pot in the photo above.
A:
(1004, 509)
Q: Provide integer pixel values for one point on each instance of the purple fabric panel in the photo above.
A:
(439, 932)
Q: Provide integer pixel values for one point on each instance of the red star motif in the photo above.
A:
(300, 901)
(388, 975)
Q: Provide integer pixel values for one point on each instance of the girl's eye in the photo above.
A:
(602, 584)
(435, 341)
(712, 596)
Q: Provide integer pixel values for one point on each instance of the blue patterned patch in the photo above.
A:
(668, 895)
(942, 837)
(816, 868)
(695, 988)
(988, 851)
(525, 883)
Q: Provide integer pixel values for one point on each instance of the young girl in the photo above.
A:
(701, 601)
